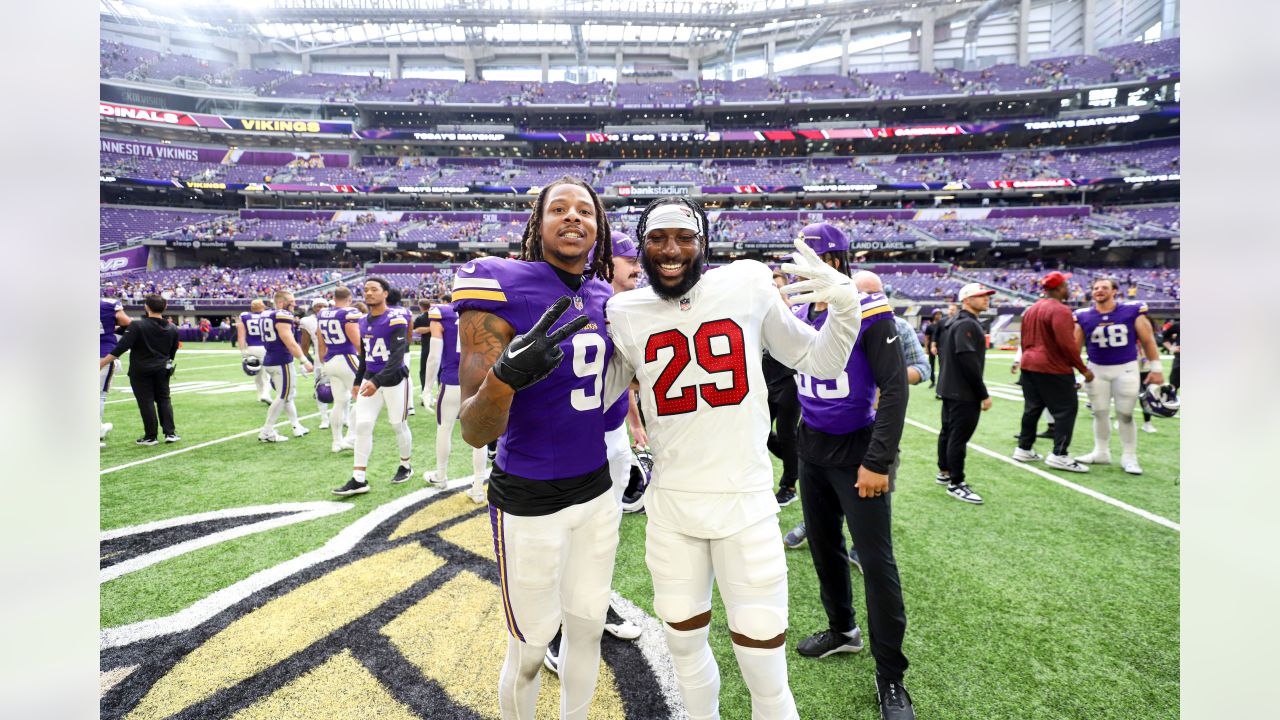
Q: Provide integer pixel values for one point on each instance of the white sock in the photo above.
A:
(696, 671)
(579, 665)
(765, 672)
(404, 438)
(291, 412)
(358, 475)
(520, 678)
(478, 456)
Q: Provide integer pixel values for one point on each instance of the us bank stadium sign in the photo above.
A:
(639, 191)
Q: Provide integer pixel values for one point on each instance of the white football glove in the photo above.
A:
(825, 283)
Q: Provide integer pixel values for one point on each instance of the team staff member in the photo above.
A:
(848, 445)
(962, 356)
(422, 334)
(154, 342)
(936, 347)
(1049, 357)
(931, 343)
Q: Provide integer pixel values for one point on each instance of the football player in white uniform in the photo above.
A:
(694, 342)
(337, 338)
(249, 340)
(310, 340)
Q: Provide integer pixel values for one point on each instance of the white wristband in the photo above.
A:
(1154, 366)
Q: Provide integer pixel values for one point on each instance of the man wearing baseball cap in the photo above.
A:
(962, 354)
(1049, 357)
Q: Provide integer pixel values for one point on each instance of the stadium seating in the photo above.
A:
(120, 223)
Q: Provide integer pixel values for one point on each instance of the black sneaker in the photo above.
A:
(942, 478)
(895, 701)
(146, 441)
(551, 660)
(830, 642)
(353, 487)
(402, 474)
(1048, 432)
(785, 496)
(964, 493)
(171, 438)
(620, 627)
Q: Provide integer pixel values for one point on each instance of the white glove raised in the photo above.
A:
(825, 283)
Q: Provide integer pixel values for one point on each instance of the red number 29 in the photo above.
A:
(734, 361)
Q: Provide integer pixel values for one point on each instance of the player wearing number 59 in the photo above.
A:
(694, 342)
(532, 378)
(1112, 332)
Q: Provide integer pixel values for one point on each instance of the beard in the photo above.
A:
(692, 274)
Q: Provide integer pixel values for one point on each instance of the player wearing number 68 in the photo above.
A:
(534, 384)
(1112, 332)
(694, 342)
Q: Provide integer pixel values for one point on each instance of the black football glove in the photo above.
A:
(532, 356)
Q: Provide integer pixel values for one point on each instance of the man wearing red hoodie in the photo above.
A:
(1049, 357)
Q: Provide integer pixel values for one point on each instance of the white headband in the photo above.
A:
(672, 216)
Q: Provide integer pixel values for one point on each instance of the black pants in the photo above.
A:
(1175, 375)
(933, 374)
(959, 421)
(1056, 392)
(422, 363)
(151, 390)
(784, 411)
(828, 496)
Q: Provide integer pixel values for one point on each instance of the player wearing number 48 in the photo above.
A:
(694, 342)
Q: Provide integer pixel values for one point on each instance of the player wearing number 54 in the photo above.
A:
(694, 342)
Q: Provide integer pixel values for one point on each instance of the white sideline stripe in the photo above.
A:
(299, 512)
(1065, 483)
(197, 446)
(215, 603)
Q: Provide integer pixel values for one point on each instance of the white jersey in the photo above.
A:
(702, 389)
(310, 325)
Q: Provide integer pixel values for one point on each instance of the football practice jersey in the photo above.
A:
(309, 325)
(847, 403)
(107, 309)
(332, 324)
(1111, 338)
(375, 335)
(555, 428)
(277, 353)
(252, 328)
(702, 387)
(452, 352)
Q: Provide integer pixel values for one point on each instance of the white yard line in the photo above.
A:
(1065, 483)
(197, 446)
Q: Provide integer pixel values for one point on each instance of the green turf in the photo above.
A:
(1042, 603)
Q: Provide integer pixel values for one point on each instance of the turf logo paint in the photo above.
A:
(398, 616)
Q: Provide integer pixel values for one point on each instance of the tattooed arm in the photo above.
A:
(486, 400)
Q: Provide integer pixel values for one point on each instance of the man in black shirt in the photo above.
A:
(154, 342)
(935, 349)
(931, 345)
(963, 354)
(422, 334)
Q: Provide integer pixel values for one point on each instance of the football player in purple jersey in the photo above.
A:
(848, 447)
(442, 363)
(383, 379)
(337, 338)
(111, 315)
(530, 379)
(1111, 332)
(278, 328)
(249, 340)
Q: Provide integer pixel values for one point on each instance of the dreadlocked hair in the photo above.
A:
(642, 225)
(843, 257)
(601, 264)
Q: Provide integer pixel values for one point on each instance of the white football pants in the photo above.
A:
(447, 409)
(340, 373)
(1121, 384)
(397, 399)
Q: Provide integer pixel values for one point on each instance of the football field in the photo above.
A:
(234, 585)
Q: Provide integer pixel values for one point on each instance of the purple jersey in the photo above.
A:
(556, 427)
(252, 328)
(1111, 338)
(277, 353)
(331, 323)
(451, 354)
(846, 404)
(375, 335)
(107, 309)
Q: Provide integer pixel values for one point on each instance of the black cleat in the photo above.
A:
(353, 487)
(146, 441)
(402, 474)
(895, 701)
(830, 642)
(551, 660)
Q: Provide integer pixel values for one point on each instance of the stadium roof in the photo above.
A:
(308, 25)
